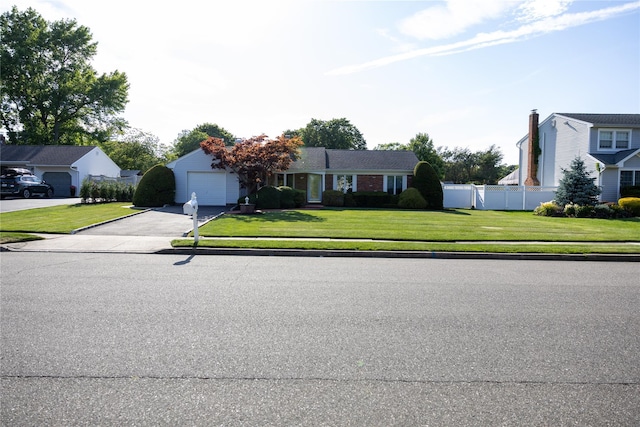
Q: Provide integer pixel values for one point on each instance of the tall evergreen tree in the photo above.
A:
(576, 186)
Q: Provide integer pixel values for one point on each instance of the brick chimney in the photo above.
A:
(532, 164)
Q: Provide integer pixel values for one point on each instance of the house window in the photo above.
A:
(614, 139)
(629, 178)
(344, 183)
(394, 184)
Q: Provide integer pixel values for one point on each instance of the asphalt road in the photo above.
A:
(121, 339)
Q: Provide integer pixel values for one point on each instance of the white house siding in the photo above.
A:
(198, 162)
(609, 185)
(95, 162)
(548, 140)
(572, 140)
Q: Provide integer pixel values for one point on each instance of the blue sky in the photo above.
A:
(467, 73)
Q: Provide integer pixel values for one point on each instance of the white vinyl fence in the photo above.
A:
(496, 197)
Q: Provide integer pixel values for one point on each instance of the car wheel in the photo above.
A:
(49, 193)
(26, 193)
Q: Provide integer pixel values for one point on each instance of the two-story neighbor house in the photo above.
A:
(609, 144)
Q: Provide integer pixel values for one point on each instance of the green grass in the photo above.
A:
(439, 226)
(61, 219)
(9, 237)
(586, 248)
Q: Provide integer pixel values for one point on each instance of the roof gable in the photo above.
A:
(44, 155)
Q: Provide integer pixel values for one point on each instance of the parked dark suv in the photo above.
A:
(21, 182)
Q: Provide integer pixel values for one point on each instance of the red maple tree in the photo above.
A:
(254, 160)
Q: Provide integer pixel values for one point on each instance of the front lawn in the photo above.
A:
(392, 230)
(441, 226)
(61, 219)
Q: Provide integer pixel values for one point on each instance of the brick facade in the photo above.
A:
(370, 183)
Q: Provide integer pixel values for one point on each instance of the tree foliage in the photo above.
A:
(188, 141)
(334, 133)
(576, 186)
(135, 149)
(462, 166)
(51, 93)
(423, 147)
(255, 159)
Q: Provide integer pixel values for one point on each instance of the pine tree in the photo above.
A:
(576, 186)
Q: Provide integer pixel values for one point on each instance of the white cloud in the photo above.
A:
(482, 40)
(533, 10)
(452, 18)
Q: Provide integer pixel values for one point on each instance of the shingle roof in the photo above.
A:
(321, 159)
(606, 119)
(614, 158)
(44, 155)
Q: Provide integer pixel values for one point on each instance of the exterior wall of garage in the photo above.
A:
(197, 162)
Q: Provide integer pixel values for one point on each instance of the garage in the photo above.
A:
(210, 187)
(61, 182)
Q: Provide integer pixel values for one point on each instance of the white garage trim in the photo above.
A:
(210, 187)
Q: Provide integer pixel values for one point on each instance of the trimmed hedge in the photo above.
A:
(268, 198)
(426, 180)
(631, 205)
(156, 188)
(106, 191)
(333, 198)
(371, 199)
(411, 199)
(630, 191)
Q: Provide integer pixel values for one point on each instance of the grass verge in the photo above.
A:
(556, 248)
(62, 219)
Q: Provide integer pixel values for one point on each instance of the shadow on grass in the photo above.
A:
(284, 216)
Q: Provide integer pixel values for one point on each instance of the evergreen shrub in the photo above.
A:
(333, 198)
(630, 191)
(156, 188)
(287, 197)
(576, 186)
(371, 199)
(300, 198)
(426, 180)
(631, 205)
(411, 198)
(268, 198)
(548, 209)
(106, 191)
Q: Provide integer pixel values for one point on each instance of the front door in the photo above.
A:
(314, 188)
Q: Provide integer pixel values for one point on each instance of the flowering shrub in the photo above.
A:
(573, 210)
(548, 209)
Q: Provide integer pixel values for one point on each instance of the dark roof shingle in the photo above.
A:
(322, 159)
(606, 119)
(45, 155)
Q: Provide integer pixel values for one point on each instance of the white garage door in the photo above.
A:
(210, 187)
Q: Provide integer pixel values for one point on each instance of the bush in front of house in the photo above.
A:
(577, 186)
(548, 209)
(268, 198)
(630, 191)
(106, 191)
(426, 180)
(631, 205)
(156, 188)
(371, 199)
(411, 198)
(300, 198)
(333, 198)
(287, 197)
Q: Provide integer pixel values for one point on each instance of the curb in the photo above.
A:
(401, 254)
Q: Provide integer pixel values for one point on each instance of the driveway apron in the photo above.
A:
(168, 221)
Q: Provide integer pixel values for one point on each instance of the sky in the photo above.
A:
(466, 72)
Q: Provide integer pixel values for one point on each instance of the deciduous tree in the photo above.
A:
(51, 94)
(254, 160)
(188, 141)
(334, 133)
